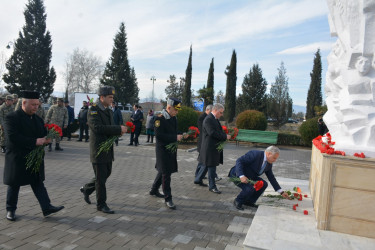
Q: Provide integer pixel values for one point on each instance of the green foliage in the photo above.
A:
(230, 94)
(175, 89)
(117, 72)
(320, 110)
(251, 119)
(210, 85)
(29, 66)
(186, 117)
(309, 130)
(186, 95)
(290, 139)
(279, 103)
(314, 95)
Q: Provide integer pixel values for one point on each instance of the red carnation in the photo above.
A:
(225, 129)
(305, 212)
(305, 195)
(294, 207)
(258, 185)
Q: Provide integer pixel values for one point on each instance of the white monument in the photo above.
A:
(350, 79)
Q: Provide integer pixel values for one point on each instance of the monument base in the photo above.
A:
(343, 193)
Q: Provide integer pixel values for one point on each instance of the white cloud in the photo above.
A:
(307, 48)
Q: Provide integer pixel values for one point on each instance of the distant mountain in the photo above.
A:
(298, 108)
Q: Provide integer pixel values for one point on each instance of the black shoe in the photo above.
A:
(3, 150)
(105, 209)
(52, 209)
(156, 194)
(86, 140)
(11, 215)
(251, 204)
(79, 140)
(58, 148)
(49, 147)
(237, 205)
(201, 184)
(170, 205)
(130, 144)
(218, 179)
(86, 197)
(215, 190)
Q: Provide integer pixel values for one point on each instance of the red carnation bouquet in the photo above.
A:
(35, 157)
(130, 126)
(233, 132)
(256, 184)
(192, 133)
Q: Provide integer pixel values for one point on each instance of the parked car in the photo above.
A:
(290, 120)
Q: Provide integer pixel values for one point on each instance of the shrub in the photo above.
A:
(251, 119)
(290, 139)
(309, 130)
(186, 117)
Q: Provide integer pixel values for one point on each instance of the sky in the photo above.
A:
(160, 32)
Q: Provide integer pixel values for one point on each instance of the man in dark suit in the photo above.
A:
(68, 129)
(166, 160)
(25, 131)
(82, 120)
(250, 166)
(136, 118)
(102, 126)
(209, 155)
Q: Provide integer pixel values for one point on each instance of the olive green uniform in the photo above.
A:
(4, 111)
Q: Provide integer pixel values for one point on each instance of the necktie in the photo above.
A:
(263, 167)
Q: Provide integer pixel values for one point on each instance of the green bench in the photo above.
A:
(256, 136)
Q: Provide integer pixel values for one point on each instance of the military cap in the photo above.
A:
(15, 96)
(30, 94)
(9, 97)
(106, 90)
(60, 99)
(174, 103)
(66, 101)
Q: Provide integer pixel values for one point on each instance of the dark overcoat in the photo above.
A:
(102, 127)
(200, 125)
(22, 131)
(165, 133)
(211, 136)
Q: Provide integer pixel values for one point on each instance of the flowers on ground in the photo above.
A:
(191, 134)
(35, 157)
(257, 184)
(130, 126)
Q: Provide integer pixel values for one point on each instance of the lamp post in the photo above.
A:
(153, 79)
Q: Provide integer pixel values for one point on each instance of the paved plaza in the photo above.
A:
(203, 220)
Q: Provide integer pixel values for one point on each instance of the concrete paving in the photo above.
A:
(203, 220)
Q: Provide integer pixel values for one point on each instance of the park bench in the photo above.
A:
(256, 136)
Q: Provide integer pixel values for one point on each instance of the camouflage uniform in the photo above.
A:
(4, 110)
(16, 102)
(41, 113)
(59, 116)
(18, 105)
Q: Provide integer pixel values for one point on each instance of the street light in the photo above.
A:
(9, 45)
(153, 79)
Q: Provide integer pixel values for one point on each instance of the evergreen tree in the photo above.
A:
(186, 97)
(174, 89)
(117, 72)
(280, 103)
(29, 66)
(230, 94)
(210, 85)
(254, 89)
(220, 97)
(314, 95)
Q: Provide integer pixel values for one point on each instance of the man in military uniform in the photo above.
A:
(5, 109)
(102, 126)
(17, 102)
(25, 131)
(58, 115)
(166, 160)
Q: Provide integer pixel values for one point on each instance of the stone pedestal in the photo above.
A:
(343, 193)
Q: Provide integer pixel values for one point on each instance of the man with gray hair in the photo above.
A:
(251, 166)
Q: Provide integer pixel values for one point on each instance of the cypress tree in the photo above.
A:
(230, 94)
(29, 66)
(314, 95)
(210, 85)
(280, 103)
(117, 72)
(186, 96)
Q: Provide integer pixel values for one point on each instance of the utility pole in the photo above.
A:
(153, 79)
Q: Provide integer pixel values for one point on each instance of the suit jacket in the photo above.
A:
(22, 131)
(102, 126)
(200, 125)
(137, 118)
(212, 135)
(250, 164)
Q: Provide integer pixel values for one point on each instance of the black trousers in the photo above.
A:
(163, 180)
(40, 193)
(83, 127)
(67, 132)
(134, 135)
(102, 172)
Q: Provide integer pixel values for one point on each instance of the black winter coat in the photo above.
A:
(200, 125)
(212, 134)
(102, 127)
(165, 133)
(21, 131)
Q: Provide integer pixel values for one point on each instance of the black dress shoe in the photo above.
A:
(156, 194)
(86, 197)
(3, 150)
(130, 144)
(11, 215)
(251, 204)
(215, 190)
(105, 209)
(79, 140)
(201, 184)
(237, 205)
(170, 205)
(52, 209)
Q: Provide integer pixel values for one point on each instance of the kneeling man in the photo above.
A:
(250, 166)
